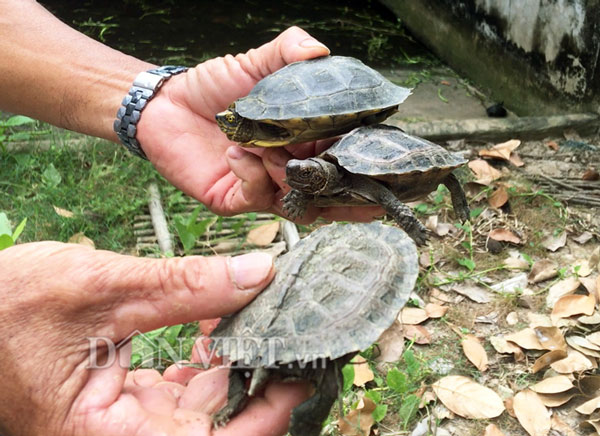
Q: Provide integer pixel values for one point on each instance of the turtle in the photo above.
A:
(378, 164)
(334, 293)
(308, 100)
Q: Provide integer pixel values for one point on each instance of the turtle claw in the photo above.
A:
(418, 233)
(294, 204)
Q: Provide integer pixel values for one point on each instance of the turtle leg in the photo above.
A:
(400, 212)
(308, 417)
(295, 203)
(459, 199)
(237, 398)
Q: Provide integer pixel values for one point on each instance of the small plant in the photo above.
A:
(189, 230)
(8, 238)
(162, 347)
(8, 131)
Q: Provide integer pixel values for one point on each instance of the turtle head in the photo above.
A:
(311, 176)
(236, 127)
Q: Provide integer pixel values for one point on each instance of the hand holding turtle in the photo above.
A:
(47, 387)
(179, 134)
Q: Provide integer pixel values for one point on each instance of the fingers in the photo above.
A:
(172, 291)
(120, 294)
(292, 45)
(206, 392)
(255, 188)
(269, 414)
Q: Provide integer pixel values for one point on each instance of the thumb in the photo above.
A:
(292, 45)
(178, 290)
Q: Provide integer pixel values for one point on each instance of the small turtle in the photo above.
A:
(310, 100)
(333, 295)
(376, 165)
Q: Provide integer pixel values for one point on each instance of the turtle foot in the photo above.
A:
(417, 232)
(294, 204)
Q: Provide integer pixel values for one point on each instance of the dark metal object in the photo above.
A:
(144, 88)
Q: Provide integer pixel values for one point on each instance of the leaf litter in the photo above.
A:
(522, 347)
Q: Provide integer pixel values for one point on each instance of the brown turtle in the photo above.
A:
(309, 100)
(376, 165)
(333, 295)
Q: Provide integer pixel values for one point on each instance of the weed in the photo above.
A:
(8, 237)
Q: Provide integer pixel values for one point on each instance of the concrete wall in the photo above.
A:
(538, 56)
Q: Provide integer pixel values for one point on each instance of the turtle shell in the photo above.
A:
(383, 150)
(334, 293)
(326, 86)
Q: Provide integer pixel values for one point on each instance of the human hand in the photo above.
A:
(179, 134)
(55, 296)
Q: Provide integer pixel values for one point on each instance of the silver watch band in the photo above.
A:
(145, 86)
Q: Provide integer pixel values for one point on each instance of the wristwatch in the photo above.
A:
(145, 86)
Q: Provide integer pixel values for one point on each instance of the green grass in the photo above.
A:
(101, 184)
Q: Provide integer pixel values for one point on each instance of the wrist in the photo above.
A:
(146, 86)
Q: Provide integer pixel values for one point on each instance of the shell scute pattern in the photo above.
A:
(333, 294)
(385, 149)
(330, 85)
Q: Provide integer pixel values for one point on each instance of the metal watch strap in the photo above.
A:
(145, 86)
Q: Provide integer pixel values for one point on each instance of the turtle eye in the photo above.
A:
(230, 118)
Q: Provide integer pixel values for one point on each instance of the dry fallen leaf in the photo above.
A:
(558, 399)
(501, 151)
(590, 174)
(542, 270)
(360, 420)
(63, 212)
(553, 385)
(553, 145)
(570, 305)
(504, 235)
(575, 361)
(362, 372)
(594, 338)
(264, 234)
(473, 292)
(484, 172)
(516, 263)
(498, 198)
(417, 333)
(553, 243)
(467, 398)
(525, 338)
(548, 359)
(475, 352)
(589, 407)
(551, 338)
(435, 310)
(501, 345)
(531, 413)
(583, 238)
(81, 239)
(413, 315)
(589, 284)
(493, 430)
(391, 344)
(563, 287)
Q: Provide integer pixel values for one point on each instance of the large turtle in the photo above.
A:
(333, 295)
(308, 100)
(376, 165)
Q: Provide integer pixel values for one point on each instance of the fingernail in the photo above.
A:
(250, 270)
(235, 152)
(313, 43)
